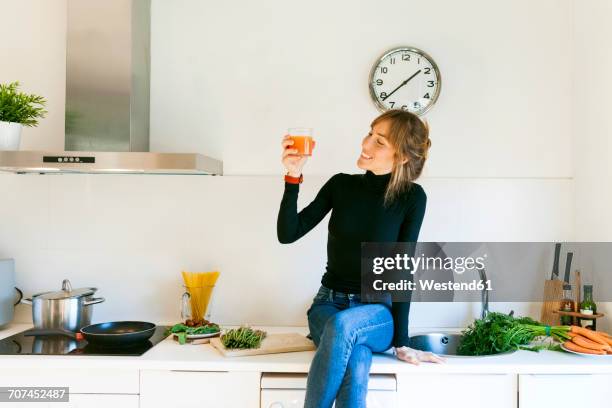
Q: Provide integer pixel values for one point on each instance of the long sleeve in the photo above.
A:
(409, 232)
(291, 225)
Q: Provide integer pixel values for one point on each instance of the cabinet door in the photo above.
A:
(457, 390)
(82, 401)
(568, 390)
(197, 389)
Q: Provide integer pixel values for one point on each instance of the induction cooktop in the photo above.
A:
(22, 344)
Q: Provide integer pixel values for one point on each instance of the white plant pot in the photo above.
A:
(10, 135)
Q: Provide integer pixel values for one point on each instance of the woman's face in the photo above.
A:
(377, 154)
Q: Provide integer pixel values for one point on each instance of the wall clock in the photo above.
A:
(405, 78)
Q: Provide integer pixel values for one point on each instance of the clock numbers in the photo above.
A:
(379, 82)
(405, 57)
(427, 71)
(384, 70)
(392, 60)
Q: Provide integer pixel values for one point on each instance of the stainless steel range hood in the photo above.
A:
(107, 99)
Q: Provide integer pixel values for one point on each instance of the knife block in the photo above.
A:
(553, 294)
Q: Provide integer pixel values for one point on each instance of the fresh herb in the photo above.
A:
(19, 107)
(499, 333)
(183, 330)
(179, 328)
(242, 338)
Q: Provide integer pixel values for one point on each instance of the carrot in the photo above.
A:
(589, 334)
(572, 335)
(584, 342)
(574, 347)
(603, 334)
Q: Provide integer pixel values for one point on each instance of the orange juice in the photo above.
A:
(303, 144)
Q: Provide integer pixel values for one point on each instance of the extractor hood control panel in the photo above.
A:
(69, 159)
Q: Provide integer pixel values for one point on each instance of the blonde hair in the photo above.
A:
(409, 135)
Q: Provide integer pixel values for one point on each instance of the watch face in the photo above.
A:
(405, 78)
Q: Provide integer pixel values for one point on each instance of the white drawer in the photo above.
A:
(79, 380)
(197, 389)
(383, 382)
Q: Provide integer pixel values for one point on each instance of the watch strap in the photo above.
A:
(294, 180)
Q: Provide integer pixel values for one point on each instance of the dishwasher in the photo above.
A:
(287, 390)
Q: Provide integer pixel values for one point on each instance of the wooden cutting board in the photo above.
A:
(273, 343)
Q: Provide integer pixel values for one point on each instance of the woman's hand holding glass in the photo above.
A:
(293, 162)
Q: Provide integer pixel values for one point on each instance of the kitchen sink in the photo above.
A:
(444, 344)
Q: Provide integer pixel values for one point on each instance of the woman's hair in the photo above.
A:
(409, 135)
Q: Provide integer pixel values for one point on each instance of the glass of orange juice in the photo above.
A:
(302, 140)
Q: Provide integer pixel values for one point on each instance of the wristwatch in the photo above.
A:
(294, 180)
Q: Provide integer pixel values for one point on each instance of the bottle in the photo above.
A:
(567, 305)
(588, 307)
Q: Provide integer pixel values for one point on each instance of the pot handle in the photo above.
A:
(93, 301)
(20, 296)
(27, 301)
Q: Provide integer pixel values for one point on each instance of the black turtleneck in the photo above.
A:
(358, 215)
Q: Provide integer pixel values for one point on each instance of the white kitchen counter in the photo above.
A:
(169, 355)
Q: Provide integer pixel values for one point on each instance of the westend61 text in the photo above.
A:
(429, 285)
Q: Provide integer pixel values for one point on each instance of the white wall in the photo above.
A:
(33, 52)
(592, 128)
(592, 125)
(227, 81)
(229, 78)
(131, 236)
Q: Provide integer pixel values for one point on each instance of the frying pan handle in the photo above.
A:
(93, 301)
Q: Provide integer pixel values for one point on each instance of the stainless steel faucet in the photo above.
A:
(484, 296)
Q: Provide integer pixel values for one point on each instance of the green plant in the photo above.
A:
(19, 107)
(498, 333)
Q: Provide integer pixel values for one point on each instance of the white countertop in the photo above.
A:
(169, 355)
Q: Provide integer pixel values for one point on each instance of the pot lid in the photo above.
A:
(66, 292)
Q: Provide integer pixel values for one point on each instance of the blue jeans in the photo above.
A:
(346, 333)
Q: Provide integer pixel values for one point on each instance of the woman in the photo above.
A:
(382, 205)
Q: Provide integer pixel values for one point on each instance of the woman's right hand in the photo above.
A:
(292, 161)
(415, 357)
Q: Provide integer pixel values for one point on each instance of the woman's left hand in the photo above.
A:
(413, 356)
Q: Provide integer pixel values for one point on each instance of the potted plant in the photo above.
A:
(17, 109)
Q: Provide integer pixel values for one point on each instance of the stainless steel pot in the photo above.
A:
(68, 309)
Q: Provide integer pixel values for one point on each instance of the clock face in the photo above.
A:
(405, 78)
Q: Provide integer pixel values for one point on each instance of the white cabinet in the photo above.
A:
(82, 401)
(88, 388)
(568, 390)
(457, 390)
(197, 389)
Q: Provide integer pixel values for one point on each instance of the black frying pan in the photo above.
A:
(118, 333)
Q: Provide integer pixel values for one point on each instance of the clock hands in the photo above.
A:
(402, 84)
